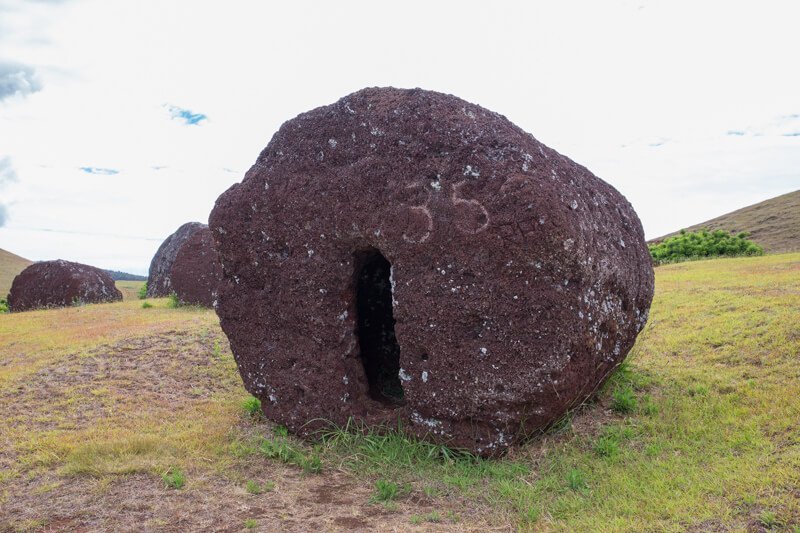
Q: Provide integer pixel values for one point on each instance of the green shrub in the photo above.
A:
(698, 244)
(146, 305)
(3, 305)
(143, 291)
(250, 523)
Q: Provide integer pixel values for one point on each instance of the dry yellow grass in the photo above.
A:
(698, 432)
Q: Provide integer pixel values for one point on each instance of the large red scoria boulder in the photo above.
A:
(60, 284)
(158, 281)
(196, 271)
(406, 255)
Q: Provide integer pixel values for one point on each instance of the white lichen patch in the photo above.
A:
(424, 376)
(403, 375)
(332, 143)
(470, 171)
(526, 162)
(434, 425)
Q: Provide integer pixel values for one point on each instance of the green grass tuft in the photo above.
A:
(174, 478)
(576, 480)
(252, 406)
(623, 400)
(173, 302)
(385, 491)
(607, 446)
(253, 488)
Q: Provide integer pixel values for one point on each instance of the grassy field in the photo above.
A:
(10, 266)
(114, 416)
(129, 289)
(773, 224)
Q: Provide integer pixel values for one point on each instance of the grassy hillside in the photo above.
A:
(773, 224)
(115, 417)
(10, 266)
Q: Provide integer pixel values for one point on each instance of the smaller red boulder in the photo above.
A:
(197, 270)
(60, 284)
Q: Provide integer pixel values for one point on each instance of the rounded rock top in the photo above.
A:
(60, 283)
(405, 255)
(159, 282)
(196, 271)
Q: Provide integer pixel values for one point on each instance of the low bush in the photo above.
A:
(699, 244)
(143, 291)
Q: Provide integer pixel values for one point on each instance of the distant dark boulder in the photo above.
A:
(60, 284)
(196, 271)
(158, 282)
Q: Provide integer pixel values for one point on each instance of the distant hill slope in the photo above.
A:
(774, 224)
(10, 266)
(116, 275)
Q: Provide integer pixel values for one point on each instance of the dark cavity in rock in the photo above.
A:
(377, 342)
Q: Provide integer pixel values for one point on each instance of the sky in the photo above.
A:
(121, 120)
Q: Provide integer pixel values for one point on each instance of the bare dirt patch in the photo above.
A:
(145, 380)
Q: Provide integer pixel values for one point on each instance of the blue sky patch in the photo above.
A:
(189, 118)
(101, 171)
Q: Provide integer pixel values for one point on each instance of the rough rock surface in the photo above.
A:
(60, 284)
(196, 271)
(406, 255)
(158, 280)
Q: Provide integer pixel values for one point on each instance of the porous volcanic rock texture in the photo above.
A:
(196, 271)
(158, 279)
(406, 255)
(60, 284)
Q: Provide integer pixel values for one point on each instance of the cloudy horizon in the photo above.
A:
(121, 121)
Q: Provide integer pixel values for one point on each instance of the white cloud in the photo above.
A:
(17, 80)
(644, 94)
